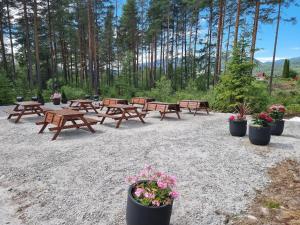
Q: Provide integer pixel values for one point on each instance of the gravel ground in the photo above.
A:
(79, 179)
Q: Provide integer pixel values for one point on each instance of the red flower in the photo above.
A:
(262, 116)
(269, 119)
(231, 118)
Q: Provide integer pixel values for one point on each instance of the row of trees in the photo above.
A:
(91, 44)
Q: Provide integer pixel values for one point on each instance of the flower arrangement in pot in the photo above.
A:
(260, 130)
(150, 198)
(238, 122)
(277, 113)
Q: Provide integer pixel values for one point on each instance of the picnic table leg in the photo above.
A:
(87, 124)
(93, 107)
(107, 111)
(162, 115)
(139, 115)
(195, 111)
(20, 115)
(36, 111)
(74, 123)
(177, 113)
(59, 130)
(120, 120)
(43, 127)
(207, 111)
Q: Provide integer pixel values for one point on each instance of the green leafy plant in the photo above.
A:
(7, 94)
(40, 97)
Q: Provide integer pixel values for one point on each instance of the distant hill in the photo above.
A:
(266, 67)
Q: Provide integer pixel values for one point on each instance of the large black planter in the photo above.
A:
(277, 127)
(20, 99)
(238, 128)
(56, 101)
(137, 214)
(260, 135)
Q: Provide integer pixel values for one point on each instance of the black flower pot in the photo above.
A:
(87, 97)
(137, 214)
(238, 128)
(277, 127)
(34, 98)
(96, 98)
(20, 99)
(56, 101)
(260, 135)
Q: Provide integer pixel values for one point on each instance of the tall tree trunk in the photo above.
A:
(237, 23)
(216, 74)
(36, 44)
(11, 43)
(27, 45)
(209, 41)
(254, 31)
(2, 39)
(275, 46)
(50, 42)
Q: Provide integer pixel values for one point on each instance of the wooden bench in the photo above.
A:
(111, 116)
(163, 108)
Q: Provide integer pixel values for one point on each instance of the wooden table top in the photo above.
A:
(67, 112)
(162, 103)
(28, 103)
(122, 106)
(82, 101)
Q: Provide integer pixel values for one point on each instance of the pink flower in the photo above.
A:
(174, 194)
(156, 203)
(149, 195)
(162, 185)
(231, 118)
(138, 192)
(132, 180)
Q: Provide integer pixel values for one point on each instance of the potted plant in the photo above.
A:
(56, 98)
(260, 130)
(64, 98)
(238, 123)
(277, 112)
(150, 198)
(20, 98)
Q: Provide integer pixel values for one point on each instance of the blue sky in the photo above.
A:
(288, 39)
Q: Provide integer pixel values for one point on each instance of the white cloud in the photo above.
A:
(269, 59)
(296, 48)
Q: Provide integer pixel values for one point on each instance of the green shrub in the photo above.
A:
(64, 98)
(40, 97)
(72, 92)
(163, 90)
(7, 93)
(293, 109)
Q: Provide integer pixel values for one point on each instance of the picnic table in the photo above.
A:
(196, 105)
(113, 101)
(26, 108)
(82, 104)
(59, 118)
(163, 108)
(141, 100)
(119, 112)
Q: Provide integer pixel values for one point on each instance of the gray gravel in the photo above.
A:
(79, 179)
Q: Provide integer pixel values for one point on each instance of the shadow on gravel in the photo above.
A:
(281, 146)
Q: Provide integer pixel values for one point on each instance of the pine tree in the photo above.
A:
(286, 69)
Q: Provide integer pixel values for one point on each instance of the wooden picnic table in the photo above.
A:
(113, 101)
(119, 112)
(26, 108)
(82, 104)
(196, 105)
(59, 118)
(163, 108)
(141, 100)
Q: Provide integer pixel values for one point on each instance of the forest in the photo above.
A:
(167, 49)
